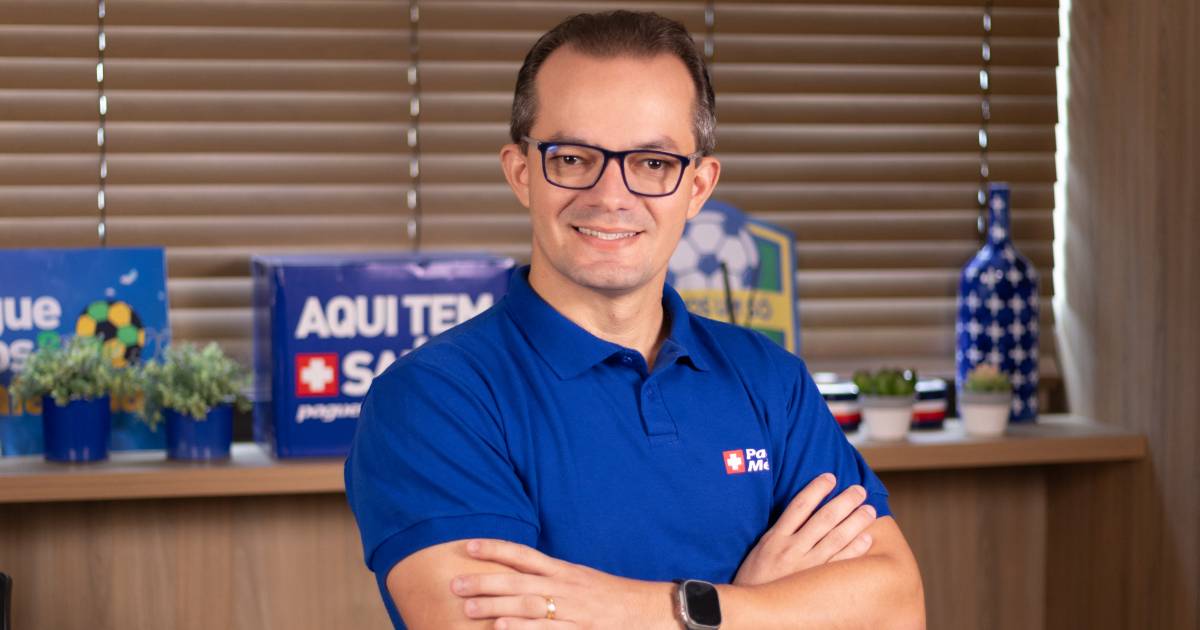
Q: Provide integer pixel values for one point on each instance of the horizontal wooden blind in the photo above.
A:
(243, 127)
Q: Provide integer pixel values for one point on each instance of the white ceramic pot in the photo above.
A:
(887, 418)
(984, 415)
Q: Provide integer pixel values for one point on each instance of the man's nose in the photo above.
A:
(611, 189)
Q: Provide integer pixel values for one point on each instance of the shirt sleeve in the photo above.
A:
(430, 464)
(813, 443)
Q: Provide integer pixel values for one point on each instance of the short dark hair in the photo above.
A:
(610, 34)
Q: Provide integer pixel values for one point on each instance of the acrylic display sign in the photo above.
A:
(325, 326)
(118, 295)
(757, 259)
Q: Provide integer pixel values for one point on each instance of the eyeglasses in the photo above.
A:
(580, 166)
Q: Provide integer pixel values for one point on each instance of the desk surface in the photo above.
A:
(1054, 439)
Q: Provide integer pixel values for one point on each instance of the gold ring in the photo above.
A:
(550, 607)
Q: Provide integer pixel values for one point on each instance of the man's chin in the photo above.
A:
(611, 278)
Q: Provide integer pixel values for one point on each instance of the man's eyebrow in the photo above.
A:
(661, 143)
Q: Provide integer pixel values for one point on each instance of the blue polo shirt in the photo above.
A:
(521, 425)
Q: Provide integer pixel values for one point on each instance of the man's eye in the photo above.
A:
(569, 160)
(653, 164)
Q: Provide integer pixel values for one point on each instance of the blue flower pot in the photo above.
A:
(199, 440)
(78, 432)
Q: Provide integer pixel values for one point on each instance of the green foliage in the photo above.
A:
(987, 379)
(78, 370)
(886, 382)
(192, 381)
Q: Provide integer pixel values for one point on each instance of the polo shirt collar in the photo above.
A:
(570, 350)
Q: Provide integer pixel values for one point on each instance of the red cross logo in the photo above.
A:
(734, 463)
(317, 374)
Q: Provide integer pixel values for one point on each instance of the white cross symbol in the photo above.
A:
(1033, 300)
(997, 203)
(991, 278)
(1017, 379)
(994, 357)
(973, 301)
(998, 232)
(1009, 254)
(1016, 329)
(316, 374)
(1033, 327)
(1014, 275)
(1017, 355)
(974, 355)
(994, 304)
(974, 328)
(734, 461)
(1017, 405)
(1017, 305)
(995, 332)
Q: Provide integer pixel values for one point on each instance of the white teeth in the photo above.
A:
(605, 236)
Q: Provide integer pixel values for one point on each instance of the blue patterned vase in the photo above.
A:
(998, 311)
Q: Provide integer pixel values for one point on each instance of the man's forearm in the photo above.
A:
(869, 592)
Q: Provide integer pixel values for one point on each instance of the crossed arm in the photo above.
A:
(837, 567)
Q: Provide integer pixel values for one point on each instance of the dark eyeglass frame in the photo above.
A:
(543, 146)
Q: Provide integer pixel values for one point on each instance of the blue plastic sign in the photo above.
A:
(116, 294)
(325, 326)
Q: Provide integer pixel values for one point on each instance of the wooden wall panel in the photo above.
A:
(1132, 302)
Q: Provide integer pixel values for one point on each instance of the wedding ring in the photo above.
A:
(550, 607)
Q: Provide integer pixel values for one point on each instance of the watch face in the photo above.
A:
(702, 604)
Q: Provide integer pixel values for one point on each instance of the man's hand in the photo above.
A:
(801, 540)
(583, 597)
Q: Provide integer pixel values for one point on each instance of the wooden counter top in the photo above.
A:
(146, 474)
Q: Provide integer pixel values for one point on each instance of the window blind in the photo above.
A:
(244, 127)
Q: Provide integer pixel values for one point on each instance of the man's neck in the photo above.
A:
(633, 319)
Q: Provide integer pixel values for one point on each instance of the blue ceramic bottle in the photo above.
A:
(998, 311)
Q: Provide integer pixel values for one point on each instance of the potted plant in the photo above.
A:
(194, 391)
(985, 400)
(886, 398)
(75, 382)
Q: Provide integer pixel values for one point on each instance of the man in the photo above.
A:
(558, 460)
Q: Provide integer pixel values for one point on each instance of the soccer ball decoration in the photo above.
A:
(709, 239)
(117, 326)
(998, 311)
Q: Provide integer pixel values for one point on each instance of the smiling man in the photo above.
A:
(587, 454)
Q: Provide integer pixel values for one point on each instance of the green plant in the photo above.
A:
(77, 370)
(191, 381)
(985, 378)
(886, 382)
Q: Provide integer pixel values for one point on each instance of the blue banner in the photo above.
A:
(118, 295)
(325, 326)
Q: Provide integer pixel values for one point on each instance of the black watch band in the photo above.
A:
(699, 605)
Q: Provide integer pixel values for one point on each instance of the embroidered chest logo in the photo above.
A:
(745, 460)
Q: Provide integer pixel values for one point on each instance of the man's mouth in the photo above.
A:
(604, 235)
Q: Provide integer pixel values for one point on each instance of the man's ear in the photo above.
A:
(516, 171)
(708, 171)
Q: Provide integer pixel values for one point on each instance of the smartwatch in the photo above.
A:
(699, 606)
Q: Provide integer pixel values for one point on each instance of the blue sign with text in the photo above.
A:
(325, 326)
(118, 295)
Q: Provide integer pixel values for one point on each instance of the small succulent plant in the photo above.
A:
(75, 370)
(192, 381)
(985, 378)
(886, 382)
